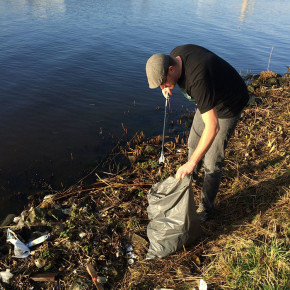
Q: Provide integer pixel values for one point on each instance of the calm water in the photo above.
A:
(70, 70)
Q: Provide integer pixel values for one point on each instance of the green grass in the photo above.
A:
(249, 264)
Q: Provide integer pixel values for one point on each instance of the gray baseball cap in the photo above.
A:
(156, 69)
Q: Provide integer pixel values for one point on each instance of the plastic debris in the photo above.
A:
(38, 241)
(129, 248)
(94, 276)
(82, 235)
(40, 263)
(131, 261)
(202, 285)
(6, 276)
(16, 219)
(20, 249)
(131, 255)
(102, 279)
(118, 252)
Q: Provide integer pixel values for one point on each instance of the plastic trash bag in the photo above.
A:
(173, 219)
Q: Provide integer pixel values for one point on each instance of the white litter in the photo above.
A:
(131, 261)
(6, 276)
(82, 235)
(16, 219)
(48, 197)
(202, 285)
(129, 248)
(38, 241)
(20, 249)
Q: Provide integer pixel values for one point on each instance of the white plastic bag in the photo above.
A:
(173, 219)
(20, 249)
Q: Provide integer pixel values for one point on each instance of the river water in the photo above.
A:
(72, 72)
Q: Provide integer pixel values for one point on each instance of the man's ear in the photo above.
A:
(171, 68)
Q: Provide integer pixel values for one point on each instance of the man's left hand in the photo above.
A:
(185, 169)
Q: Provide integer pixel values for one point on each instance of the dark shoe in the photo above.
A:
(203, 214)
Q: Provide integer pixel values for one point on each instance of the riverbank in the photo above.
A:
(104, 224)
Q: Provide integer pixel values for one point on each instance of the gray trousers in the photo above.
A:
(214, 158)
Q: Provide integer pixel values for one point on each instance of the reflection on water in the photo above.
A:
(40, 8)
(247, 9)
(44, 8)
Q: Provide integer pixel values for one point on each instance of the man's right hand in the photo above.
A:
(166, 92)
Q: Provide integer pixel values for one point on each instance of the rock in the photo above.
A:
(8, 220)
(81, 284)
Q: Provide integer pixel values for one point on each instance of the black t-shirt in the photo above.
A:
(210, 81)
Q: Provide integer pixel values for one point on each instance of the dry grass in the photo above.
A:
(264, 75)
(245, 247)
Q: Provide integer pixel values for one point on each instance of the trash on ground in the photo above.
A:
(40, 263)
(38, 241)
(94, 276)
(42, 277)
(6, 276)
(82, 235)
(202, 285)
(20, 249)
